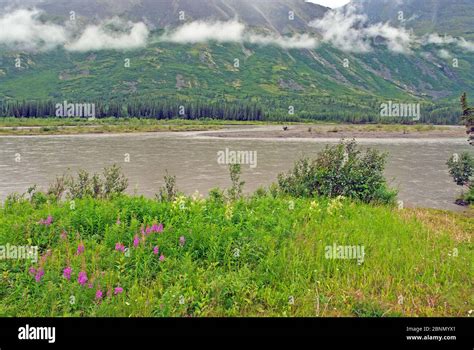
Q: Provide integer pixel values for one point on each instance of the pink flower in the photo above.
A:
(39, 275)
(67, 273)
(90, 285)
(157, 228)
(148, 230)
(63, 235)
(47, 222)
(82, 279)
(118, 290)
(119, 247)
(142, 231)
(80, 249)
(182, 241)
(162, 257)
(156, 250)
(32, 271)
(99, 294)
(136, 241)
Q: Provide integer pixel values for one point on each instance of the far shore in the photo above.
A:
(226, 129)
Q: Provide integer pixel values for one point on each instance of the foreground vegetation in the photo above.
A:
(260, 256)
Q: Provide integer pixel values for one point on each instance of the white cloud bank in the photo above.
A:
(234, 32)
(344, 28)
(98, 37)
(23, 29)
(349, 31)
(436, 39)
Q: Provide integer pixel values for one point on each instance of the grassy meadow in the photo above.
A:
(264, 255)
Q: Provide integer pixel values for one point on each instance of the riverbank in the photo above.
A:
(261, 256)
(223, 128)
(343, 131)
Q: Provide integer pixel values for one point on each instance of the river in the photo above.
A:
(417, 167)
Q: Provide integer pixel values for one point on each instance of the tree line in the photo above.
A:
(282, 109)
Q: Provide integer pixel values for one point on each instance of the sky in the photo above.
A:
(331, 3)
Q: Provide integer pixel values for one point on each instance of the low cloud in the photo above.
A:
(297, 41)
(199, 31)
(436, 39)
(23, 29)
(348, 30)
(343, 28)
(234, 32)
(100, 37)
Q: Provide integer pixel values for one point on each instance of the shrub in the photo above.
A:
(236, 189)
(168, 192)
(112, 183)
(340, 170)
(461, 168)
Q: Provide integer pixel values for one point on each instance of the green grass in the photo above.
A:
(252, 257)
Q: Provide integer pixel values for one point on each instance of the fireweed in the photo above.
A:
(218, 255)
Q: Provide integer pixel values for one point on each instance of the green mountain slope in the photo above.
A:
(320, 83)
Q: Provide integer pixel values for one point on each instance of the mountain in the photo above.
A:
(269, 14)
(454, 17)
(321, 82)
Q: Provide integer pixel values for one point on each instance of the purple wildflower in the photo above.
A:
(47, 222)
(157, 228)
(136, 241)
(99, 294)
(32, 271)
(119, 247)
(118, 290)
(162, 257)
(80, 249)
(39, 275)
(82, 279)
(182, 241)
(156, 250)
(67, 273)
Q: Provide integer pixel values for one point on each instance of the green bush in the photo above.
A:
(461, 168)
(340, 170)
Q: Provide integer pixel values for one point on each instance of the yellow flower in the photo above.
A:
(229, 211)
